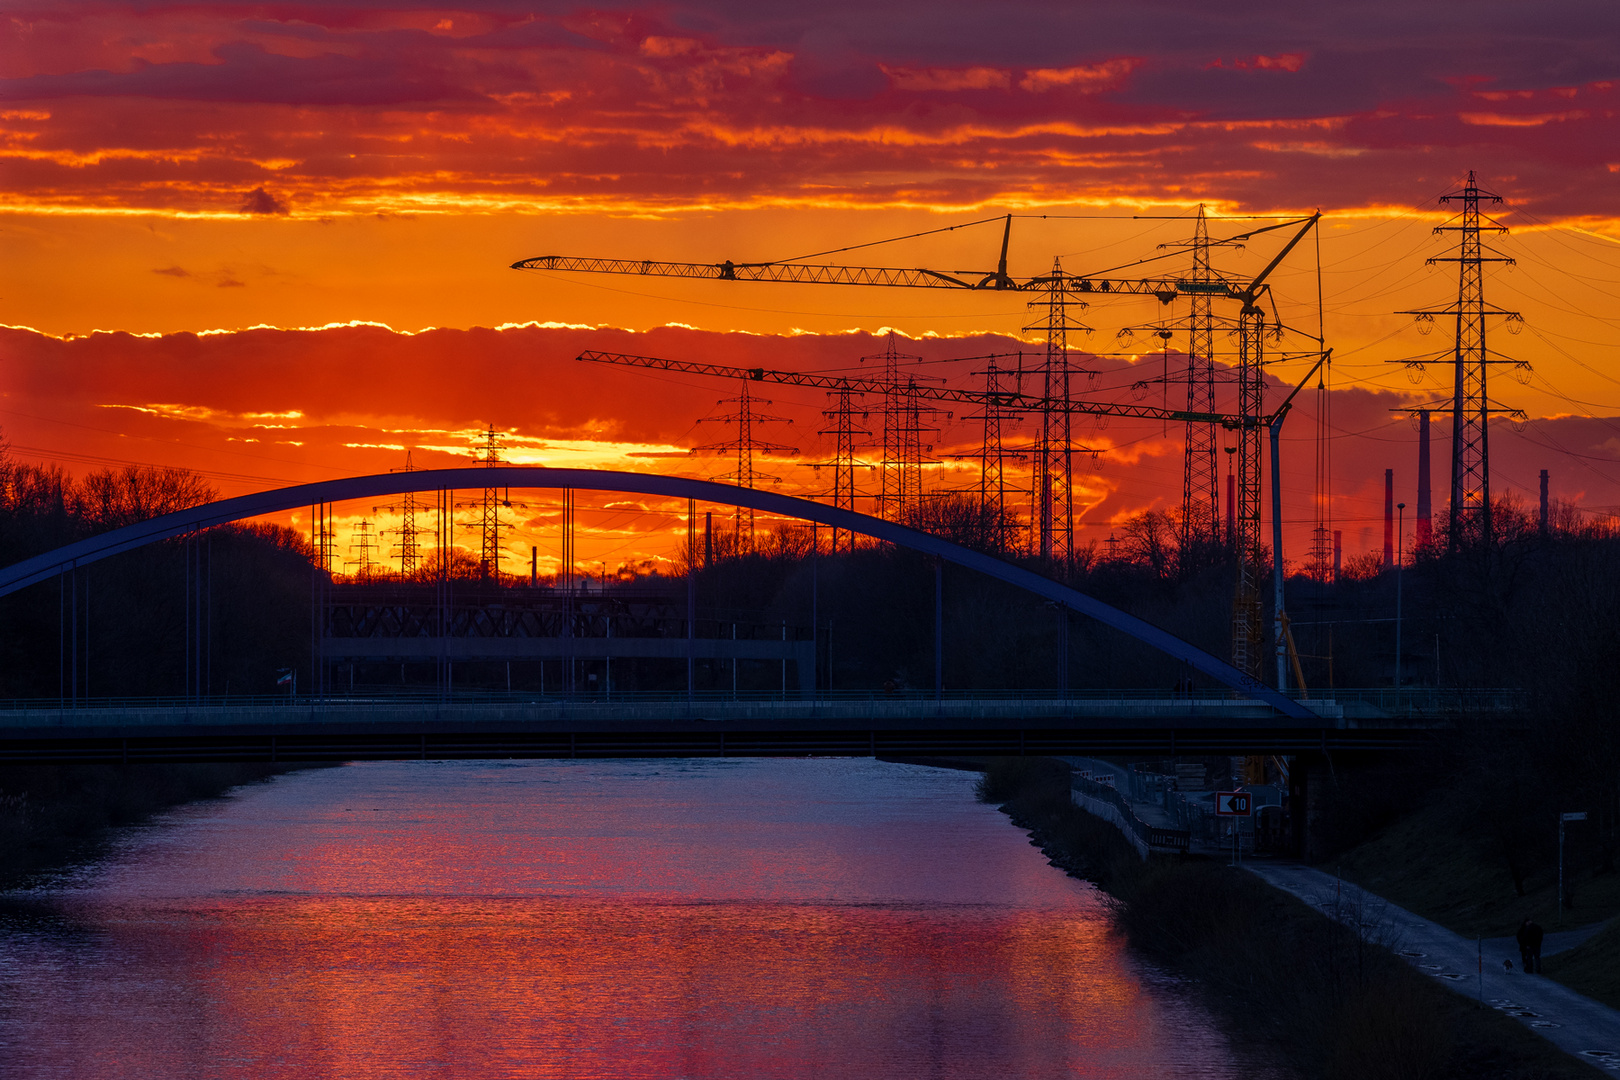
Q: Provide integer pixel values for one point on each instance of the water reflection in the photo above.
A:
(579, 919)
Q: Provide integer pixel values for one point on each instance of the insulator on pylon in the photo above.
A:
(1522, 372)
(1515, 324)
(1415, 373)
(1425, 324)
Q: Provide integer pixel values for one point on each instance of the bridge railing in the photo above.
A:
(429, 697)
(1413, 702)
(1363, 703)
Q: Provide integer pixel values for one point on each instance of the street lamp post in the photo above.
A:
(1400, 561)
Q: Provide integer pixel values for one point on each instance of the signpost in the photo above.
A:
(1234, 804)
(1579, 815)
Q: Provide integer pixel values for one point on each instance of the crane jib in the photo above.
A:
(1003, 399)
(1164, 289)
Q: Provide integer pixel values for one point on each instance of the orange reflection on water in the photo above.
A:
(759, 919)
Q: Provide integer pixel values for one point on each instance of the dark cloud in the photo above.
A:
(174, 271)
(951, 103)
(260, 201)
(247, 72)
(824, 66)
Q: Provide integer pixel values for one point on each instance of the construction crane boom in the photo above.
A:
(1005, 399)
(1164, 289)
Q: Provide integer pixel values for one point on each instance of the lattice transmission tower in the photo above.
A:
(489, 513)
(1200, 468)
(1052, 497)
(996, 482)
(409, 549)
(1470, 407)
(1201, 473)
(360, 548)
(906, 426)
(847, 437)
(742, 450)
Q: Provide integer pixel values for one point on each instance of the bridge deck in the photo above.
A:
(339, 729)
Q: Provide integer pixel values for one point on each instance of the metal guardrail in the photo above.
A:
(1153, 837)
(1392, 702)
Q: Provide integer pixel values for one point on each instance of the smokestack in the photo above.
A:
(1543, 502)
(1231, 510)
(1425, 519)
(1338, 552)
(534, 567)
(1389, 518)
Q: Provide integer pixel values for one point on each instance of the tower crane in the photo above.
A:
(1009, 399)
(1054, 447)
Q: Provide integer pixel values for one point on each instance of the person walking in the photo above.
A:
(1529, 939)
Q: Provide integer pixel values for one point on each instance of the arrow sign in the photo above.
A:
(1232, 804)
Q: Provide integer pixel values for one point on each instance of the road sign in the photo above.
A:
(1232, 804)
(1579, 815)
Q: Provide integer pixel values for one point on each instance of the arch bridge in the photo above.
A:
(1246, 717)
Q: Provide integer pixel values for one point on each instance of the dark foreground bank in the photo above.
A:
(1334, 1000)
(53, 814)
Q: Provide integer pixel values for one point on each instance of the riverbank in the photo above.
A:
(1333, 1000)
(1452, 856)
(51, 815)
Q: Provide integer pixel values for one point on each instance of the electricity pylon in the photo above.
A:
(846, 437)
(1052, 498)
(905, 424)
(743, 448)
(1471, 407)
(489, 521)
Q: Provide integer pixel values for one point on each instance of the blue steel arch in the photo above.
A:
(42, 567)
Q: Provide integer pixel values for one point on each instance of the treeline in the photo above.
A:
(1530, 610)
(124, 619)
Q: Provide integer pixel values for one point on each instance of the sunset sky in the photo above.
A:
(271, 242)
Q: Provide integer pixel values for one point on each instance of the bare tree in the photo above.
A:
(112, 498)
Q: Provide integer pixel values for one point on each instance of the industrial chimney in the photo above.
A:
(1389, 518)
(1425, 519)
(1543, 502)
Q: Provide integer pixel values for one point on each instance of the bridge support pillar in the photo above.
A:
(1308, 779)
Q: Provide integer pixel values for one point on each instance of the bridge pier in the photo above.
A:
(1308, 783)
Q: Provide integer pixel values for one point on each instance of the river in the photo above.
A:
(673, 920)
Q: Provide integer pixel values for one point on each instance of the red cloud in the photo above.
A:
(359, 109)
(260, 408)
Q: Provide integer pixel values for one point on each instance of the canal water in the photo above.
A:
(672, 919)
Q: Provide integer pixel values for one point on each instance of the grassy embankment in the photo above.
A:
(53, 814)
(1335, 1002)
(1443, 860)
